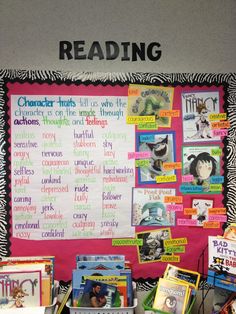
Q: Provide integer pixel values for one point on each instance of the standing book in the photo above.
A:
(190, 277)
(99, 294)
(41, 265)
(221, 255)
(171, 296)
(78, 280)
(20, 289)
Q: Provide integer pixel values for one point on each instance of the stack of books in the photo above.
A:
(102, 281)
(26, 281)
(176, 291)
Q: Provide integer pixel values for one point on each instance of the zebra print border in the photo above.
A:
(174, 79)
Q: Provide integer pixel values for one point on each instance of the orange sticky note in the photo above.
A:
(220, 125)
(211, 224)
(190, 211)
(132, 91)
(173, 199)
(172, 165)
(217, 211)
(169, 113)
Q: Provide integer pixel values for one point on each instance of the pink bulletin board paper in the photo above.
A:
(66, 250)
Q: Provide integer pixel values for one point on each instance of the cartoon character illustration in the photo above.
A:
(159, 153)
(170, 305)
(202, 168)
(154, 214)
(218, 265)
(202, 206)
(18, 294)
(151, 108)
(202, 124)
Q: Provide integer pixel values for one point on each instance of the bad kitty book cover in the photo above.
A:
(161, 146)
(221, 255)
(171, 297)
(196, 109)
(202, 163)
(146, 100)
(20, 289)
(149, 209)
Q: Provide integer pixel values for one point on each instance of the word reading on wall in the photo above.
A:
(110, 50)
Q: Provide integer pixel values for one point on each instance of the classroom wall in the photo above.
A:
(195, 36)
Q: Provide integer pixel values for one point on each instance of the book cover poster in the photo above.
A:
(153, 245)
(98, 294)
(171, 297)
(100, 265)
(149, 209)
(196, 108)
(146, 100)
(202, 206)
(221, 255)
(203, 164)
(161, 146)
(20, 289)
(190, 277)
(78, 280)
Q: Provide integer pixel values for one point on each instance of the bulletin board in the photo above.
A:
(103, 163)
